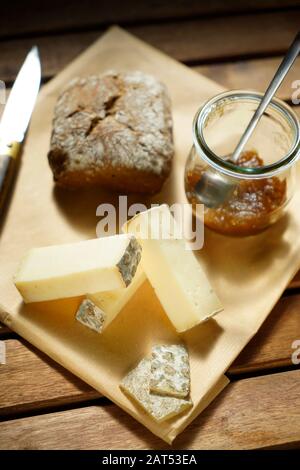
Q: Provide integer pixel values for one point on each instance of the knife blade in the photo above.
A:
(16, 117)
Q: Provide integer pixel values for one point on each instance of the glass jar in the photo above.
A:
(263, 181)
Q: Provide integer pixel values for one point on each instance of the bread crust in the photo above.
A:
(112, 130)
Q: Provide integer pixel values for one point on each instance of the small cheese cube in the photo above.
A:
(90, 315)
(75, 269)
(176, 275)
(170, 370)
(137, 385)
(110, 303)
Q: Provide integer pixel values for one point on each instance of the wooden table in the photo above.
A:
(238, 44)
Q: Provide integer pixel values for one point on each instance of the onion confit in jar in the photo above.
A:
(263, 178)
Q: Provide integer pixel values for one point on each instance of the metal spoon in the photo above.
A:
(214, 188)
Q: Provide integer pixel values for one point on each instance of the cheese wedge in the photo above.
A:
(170, 370)
(136, 384)
(110, 303)
(177, 277)
(70, 270)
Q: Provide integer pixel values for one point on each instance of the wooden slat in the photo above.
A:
(297, 111)
(252, 74)
(259, 412)
(219, 38)
(30, 380)
(188, 41)
(295, 284)
(32, 16)
(4, 331)
(56, 52)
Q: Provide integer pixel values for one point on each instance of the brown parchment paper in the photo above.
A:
(249, 275)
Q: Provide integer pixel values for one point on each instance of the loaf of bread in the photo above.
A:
(113, 130)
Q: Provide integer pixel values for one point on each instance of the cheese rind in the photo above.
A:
(70, 270)
(170, 370)
(112, 302)
(90, 315)
(136, 384)
(176, 275)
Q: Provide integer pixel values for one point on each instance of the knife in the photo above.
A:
(16, 117)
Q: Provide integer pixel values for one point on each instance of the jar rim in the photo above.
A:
(230, 168)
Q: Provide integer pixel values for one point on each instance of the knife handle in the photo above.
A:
(8, 157)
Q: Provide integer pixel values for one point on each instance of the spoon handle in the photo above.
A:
(283, 69)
